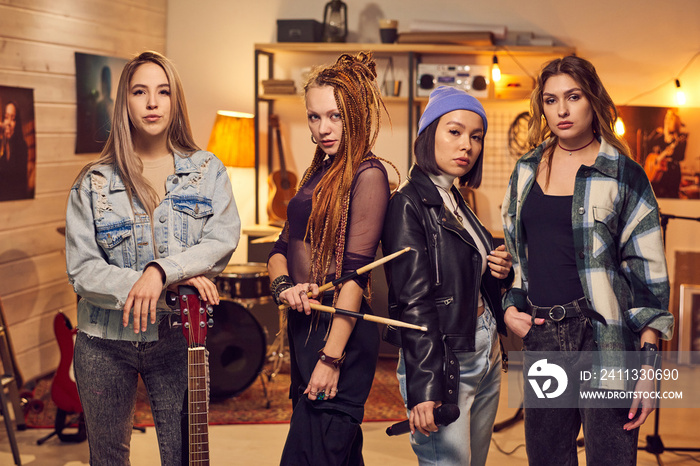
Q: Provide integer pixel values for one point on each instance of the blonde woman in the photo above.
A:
(153, 211)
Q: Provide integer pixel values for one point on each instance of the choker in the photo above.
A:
(571, 151)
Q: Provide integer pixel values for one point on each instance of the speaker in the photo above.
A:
(473, 79)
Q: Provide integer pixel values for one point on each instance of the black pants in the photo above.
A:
(321, 437)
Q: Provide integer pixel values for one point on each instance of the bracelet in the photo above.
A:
(331, 361)
(278, 291)
(279, 280)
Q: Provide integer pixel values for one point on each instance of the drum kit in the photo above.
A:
(237, 342)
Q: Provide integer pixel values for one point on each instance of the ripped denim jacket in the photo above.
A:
(110, 240)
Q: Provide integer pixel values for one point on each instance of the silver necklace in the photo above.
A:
(456, 207)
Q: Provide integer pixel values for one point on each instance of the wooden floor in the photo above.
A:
(262, 444)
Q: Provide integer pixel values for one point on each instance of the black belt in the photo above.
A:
(562, 311)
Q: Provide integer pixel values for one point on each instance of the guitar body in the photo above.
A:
(282, 183)
(279, 195)
(64, 391)
(195, 320)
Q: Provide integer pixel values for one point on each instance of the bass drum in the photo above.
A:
(237, 347)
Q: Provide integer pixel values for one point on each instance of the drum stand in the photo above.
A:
(278, 352)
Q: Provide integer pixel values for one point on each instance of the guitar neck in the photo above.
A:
(198, 404)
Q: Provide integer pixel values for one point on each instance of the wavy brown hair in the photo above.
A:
(353, 79)
(119, 149)
(604, 110)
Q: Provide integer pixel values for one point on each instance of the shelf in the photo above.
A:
(435, 49)
(411, 54)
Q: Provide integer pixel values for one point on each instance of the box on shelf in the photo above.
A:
(299, 30)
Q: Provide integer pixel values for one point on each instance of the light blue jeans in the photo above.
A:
(466, 441)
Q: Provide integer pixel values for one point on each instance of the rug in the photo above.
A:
(250, 407)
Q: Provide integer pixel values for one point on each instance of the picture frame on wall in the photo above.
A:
(661, 140)
(689, 325)
(17, 144)
(96, 79)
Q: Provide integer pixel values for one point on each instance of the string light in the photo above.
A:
(495, 70)
(680, 95)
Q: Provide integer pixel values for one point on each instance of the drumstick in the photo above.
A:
(351, 275)
(370, 317)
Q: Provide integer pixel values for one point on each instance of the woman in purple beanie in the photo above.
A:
(450, 281)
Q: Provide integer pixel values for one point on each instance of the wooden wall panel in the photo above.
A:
(77, 32)
(51, 178)
(47, 298)
(38, 41)
(41, 239)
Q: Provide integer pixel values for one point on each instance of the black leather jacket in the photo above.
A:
(434, 284)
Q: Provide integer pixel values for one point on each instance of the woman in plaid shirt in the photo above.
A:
(582, 224)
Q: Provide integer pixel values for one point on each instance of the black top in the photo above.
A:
(550, 249)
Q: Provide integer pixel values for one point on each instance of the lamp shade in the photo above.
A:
(232, 139)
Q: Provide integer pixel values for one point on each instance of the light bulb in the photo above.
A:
(680, 95)
(619, 127)
(495, 70)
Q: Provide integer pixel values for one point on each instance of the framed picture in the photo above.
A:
(661, 140)
(689, 325)
(17, 144)
(94, 78)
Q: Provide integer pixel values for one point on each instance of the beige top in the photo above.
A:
(157, 172)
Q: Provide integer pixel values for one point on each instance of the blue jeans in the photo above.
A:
(466, 441)
(550, 433)
(106, 373)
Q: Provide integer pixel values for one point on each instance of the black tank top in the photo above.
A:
(552, 273)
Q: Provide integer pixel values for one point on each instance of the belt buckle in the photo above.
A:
(558, 316)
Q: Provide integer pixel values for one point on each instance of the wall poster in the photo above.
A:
(662, 141)
(94, 79)
(17, 144)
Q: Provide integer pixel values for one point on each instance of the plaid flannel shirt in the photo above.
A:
(619, 248)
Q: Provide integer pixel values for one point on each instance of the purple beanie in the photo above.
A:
(445, 99)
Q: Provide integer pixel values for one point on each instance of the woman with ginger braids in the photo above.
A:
(334, 225)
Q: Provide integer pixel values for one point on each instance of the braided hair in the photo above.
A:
(359, 102)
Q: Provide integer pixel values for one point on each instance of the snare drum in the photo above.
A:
(242, 282)
(237, 346)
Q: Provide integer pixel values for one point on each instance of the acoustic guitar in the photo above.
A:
(282, 182)
(195, 320)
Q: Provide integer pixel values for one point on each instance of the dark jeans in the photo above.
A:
(107, 373)
(550, 433)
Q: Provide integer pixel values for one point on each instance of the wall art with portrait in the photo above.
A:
(17, 144)
(96, 79)
(662, 142)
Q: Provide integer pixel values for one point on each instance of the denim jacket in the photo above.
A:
(110, 241)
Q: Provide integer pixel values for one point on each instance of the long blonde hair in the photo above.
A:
(359, 102)
(119, 149)
(604, 110)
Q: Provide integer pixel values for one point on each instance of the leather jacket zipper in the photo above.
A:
(437, 269)
(445, 301)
